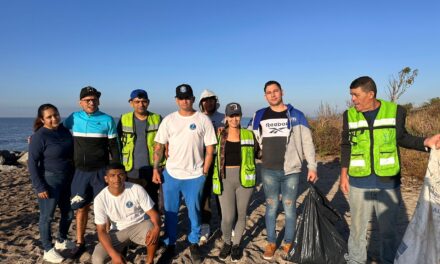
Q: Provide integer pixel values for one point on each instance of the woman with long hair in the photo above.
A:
(51, 169)
(234, 179)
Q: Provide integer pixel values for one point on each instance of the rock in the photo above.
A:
(7, 157)
(23, 160)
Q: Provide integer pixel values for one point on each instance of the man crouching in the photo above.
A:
(127, 206)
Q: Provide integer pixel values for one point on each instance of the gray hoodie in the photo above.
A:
(299, 144)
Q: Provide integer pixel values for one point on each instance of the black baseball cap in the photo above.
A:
(184, 91)
(233, 109)
(88, 91)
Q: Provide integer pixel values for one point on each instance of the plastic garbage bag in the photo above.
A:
(317, 240)
(421, 242)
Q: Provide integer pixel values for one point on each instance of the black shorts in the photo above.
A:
(85, 186)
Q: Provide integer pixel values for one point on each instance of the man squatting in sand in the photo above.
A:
(126, 205)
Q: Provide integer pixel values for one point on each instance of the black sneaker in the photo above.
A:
(167, 254)
(224, 253)
(78, 250)
(236, 253)
(170, 250)
(195, 253)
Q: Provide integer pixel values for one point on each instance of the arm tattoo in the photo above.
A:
(158, 154)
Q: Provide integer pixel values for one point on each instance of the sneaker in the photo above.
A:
(224, 253)
(195, 253)
(236, 253)
(269, 251)
(168, 254)
(79, 249)
(52, 256)
(62, 244)
(232, 233)
(286, 247)
(205, 231)
(170, 250)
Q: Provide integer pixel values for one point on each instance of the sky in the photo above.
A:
(49, 50)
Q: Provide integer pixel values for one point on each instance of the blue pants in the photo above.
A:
(192, 191)
(58, 186)
(275, 182)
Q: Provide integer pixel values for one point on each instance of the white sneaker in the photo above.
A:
(205, 231)
(232, 233)
(52, 256)
(66, 244)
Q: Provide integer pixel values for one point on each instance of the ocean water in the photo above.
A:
(14, 132)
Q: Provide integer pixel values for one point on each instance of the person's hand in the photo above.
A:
(118, 259)
(432, 142)
(43, 195)
(220, 130)
(157, 176)
(152, 236)
(344, 184)
(312, 176)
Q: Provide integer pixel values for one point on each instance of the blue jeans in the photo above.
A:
(275, 182)
(192, 192)
(58, 186)
(385, 202)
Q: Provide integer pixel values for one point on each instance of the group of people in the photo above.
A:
(197, 154)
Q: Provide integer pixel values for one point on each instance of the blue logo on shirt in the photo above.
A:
(129, 204)
(192, 126)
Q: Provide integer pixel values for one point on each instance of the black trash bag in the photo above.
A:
(317, 240)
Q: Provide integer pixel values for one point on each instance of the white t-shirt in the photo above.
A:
(186, 135)
(124, 210)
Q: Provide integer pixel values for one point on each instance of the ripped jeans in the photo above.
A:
(275, 182)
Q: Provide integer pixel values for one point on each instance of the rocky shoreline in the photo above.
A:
(19, 235)
(9, 160)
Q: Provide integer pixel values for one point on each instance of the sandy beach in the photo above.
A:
(19, 236)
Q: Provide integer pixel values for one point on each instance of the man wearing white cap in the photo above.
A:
(208, 105)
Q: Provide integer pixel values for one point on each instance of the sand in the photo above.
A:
(19, 235)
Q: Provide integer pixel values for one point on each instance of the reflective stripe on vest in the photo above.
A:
(247, 166)
(129, 135)
(385, 153)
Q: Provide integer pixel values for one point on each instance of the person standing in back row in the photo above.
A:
(187, 134)
(286, 140)
(370, 166)
(136, 131)
(94, 140)
(208, 105)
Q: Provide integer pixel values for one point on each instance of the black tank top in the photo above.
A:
(232, 153)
